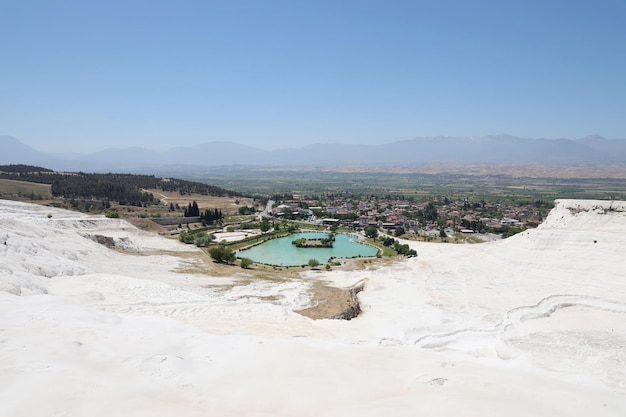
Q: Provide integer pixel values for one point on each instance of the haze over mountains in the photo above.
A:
(494, 149)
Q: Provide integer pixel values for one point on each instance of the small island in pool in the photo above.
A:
(316, 242)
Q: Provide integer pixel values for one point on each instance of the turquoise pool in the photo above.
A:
(281, 252)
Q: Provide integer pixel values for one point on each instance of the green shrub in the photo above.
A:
(246, 263)
(222, 254)
(112, 214)
(370, 231)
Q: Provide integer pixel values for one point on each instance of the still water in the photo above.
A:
(281, 252)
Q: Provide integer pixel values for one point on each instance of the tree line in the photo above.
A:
(208, 216)
(21, 168)
(126, 189)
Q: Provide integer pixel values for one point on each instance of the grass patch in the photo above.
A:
(385, 250)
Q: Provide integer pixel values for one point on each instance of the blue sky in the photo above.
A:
(87, 75)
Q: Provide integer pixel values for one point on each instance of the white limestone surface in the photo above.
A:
(531, 325)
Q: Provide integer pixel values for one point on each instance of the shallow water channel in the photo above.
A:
(282, 252)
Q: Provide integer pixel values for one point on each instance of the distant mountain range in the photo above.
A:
(495, 149)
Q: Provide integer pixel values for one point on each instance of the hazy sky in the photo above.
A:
(86, 75)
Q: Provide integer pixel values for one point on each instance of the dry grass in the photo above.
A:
(13, 188)
(147, 225)
(135, 215)
(226, 204)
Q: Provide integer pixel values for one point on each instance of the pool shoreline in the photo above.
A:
(349, 246)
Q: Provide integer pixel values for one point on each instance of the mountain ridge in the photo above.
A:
(489, 149)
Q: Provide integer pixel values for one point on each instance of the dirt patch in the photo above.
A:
(333, 303)
(107, 241)
(146, 225)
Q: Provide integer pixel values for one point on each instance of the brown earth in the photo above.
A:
(330, 302)
(147, 225)
(13, 189)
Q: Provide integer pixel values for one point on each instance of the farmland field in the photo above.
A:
(13, 188)
(546, 183)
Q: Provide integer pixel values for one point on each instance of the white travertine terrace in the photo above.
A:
(534, 325)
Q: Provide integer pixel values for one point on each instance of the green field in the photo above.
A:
(421, 187)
